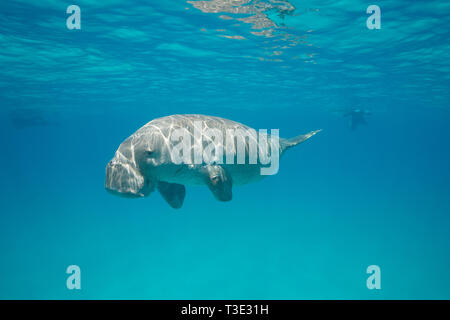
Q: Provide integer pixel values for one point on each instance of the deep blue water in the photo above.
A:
(343, 200)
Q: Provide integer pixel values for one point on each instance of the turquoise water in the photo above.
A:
(344, 200)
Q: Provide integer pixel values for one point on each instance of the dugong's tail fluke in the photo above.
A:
(288, 143)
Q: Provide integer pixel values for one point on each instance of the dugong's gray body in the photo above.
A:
(143, 162)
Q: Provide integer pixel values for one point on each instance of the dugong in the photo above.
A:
(155, 157)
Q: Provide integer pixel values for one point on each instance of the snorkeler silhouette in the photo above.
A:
(357, 117)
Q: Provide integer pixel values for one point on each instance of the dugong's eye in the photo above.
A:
(215, 179)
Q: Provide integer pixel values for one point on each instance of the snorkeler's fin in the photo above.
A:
(173, 193)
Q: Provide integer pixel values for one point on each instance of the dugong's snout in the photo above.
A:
(123, 179)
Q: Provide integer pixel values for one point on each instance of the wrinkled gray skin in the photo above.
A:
(143, 162)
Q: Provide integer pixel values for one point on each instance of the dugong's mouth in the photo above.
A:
(124, 194)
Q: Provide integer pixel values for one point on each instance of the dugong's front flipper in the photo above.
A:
(219, 182)
(173, 193)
